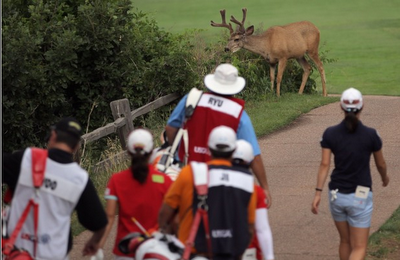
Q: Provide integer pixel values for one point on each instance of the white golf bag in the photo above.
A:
(156, 247)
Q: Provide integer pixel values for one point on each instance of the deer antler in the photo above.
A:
(223, 24)
(241, 24)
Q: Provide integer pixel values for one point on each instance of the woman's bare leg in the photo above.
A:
(359, 242)
(345, 246)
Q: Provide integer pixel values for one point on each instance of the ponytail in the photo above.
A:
(139, 166)
(351, 121)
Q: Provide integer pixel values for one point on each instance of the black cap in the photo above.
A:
(69, 125)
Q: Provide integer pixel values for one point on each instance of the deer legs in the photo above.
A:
(306, 72)
(315, 58)
(272, 75)
(281, 69)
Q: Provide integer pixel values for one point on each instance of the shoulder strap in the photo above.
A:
(39, 157)
(200, 177)
(192, 100)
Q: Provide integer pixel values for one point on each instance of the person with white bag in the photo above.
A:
(223, 195)
(66, 188)
(216, 107)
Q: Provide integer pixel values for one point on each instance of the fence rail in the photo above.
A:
(120, 122)
(122, 125)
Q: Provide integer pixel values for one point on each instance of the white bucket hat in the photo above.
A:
(244, 151)
(351, 100)
(225, 80)
(140, 138)
(222, 139)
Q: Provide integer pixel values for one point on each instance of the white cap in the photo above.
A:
(225, 80)
(351, 100)
(244, 151)
(140, 138)
(222, 139)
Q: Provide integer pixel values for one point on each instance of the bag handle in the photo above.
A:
(39, 158)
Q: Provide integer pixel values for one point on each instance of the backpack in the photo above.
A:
(9, 250)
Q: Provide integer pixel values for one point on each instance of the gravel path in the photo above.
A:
(291, 157)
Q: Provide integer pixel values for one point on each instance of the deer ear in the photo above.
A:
(249, 30)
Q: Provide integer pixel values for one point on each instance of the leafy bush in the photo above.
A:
(72, 58)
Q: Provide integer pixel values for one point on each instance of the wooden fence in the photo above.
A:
(123, 125)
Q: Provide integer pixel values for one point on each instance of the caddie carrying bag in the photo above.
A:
(201, 179)
(9, 250)
(164, 163)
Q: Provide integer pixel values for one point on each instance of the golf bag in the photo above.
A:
(158, 246)
(9, 250)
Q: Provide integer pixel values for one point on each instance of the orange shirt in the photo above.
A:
(180, 195)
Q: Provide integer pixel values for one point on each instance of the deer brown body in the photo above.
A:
(277, 45)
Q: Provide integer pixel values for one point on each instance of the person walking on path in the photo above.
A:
(66, 187)
(215, 108)
(137, 192)
(261, 246)
(350, 196)
(231, 201)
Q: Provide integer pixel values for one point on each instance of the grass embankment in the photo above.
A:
(385, 243)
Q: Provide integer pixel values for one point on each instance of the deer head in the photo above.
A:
(237, 37)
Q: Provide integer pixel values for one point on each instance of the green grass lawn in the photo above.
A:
(363, 35)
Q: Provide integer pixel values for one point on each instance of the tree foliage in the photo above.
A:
(72, 58)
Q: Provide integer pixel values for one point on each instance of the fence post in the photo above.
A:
(120, 108)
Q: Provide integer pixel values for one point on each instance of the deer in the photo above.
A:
(277, 45)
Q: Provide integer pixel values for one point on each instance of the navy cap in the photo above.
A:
(70, 126)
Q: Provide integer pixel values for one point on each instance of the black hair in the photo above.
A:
(220, 154)
(68, 139)
(240, 163)
(351, 120)
(139, 166)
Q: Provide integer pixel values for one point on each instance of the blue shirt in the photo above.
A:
(352, 153)
(245, 130)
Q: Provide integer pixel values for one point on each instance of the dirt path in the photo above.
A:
(291, 157)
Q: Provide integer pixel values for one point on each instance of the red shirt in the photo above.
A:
(141, 201)
(261, 203)
(211, 111)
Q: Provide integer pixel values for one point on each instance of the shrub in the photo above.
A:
(72, 58)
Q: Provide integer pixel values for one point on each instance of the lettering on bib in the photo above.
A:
(215, 102)
(221, 233)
